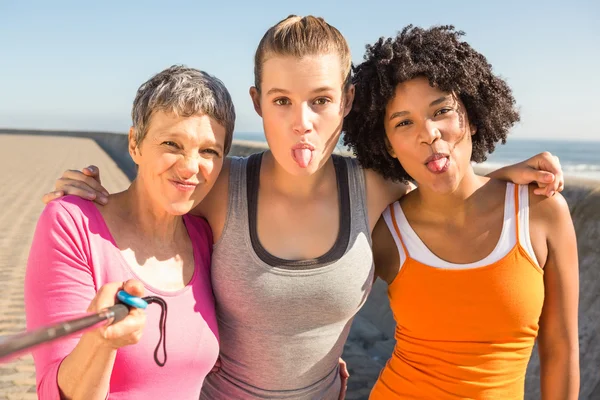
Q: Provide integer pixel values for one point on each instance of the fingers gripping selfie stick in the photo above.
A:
(11, 346)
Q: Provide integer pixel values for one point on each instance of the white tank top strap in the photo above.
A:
(515, 230)
(391, 220)
(409, 244)
(523, 221)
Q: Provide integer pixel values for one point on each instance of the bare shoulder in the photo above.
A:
(381, 192)
(391, 190)
(547, 211)
(385, 252)
(550, 227)
(214, 199)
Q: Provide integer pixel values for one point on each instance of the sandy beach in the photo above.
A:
(29, 166)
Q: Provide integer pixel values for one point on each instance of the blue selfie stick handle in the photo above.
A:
(130, 300)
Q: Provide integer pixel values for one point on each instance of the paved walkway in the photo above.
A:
(29, 164)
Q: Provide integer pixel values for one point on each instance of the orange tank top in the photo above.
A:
(462, 333)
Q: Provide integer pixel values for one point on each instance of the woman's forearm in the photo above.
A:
(559, 375)
(85, 372)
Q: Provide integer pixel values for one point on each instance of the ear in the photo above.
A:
(134, 150)
(348, 99)
(389, 148)
(473, 129)
(255, 96)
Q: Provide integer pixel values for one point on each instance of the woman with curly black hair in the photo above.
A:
(477, 268)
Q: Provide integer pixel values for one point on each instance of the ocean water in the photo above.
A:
(578, 158)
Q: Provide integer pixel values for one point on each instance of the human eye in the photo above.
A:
(170, 143)
(282, 101)
(442, 111)
(322, 101)
(406, 122)
(211, 152)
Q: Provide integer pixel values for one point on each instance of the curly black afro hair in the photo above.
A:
(449, 64)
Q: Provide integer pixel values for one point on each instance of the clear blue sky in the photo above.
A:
(78, 64)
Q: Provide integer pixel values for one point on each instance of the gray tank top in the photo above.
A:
(283, 323)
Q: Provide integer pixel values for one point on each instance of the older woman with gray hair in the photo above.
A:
(142, 242)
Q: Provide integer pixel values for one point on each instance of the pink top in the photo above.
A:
(72, 255)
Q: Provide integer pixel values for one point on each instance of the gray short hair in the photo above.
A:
(185, 92)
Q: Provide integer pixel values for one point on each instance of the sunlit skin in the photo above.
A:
(301, 102)
(178, 161)
(422, 121)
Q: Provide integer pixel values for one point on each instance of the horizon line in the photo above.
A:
(4, 129)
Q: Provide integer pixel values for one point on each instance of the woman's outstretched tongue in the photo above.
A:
(302, 157)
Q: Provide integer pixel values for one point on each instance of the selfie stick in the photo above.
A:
(10, 346)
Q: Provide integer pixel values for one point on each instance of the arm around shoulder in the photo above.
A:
(382, 192)
(218, 192)
(215, 205)
(385, 252)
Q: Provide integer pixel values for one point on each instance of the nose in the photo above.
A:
(189, 165)
(302, 119)
(430, 132)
